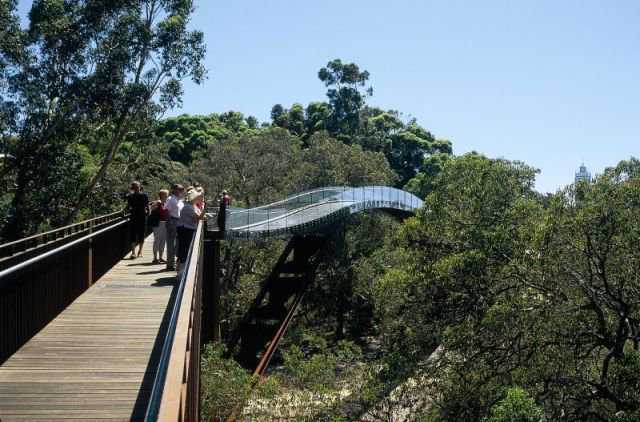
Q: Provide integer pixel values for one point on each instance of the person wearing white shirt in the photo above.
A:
(174, 205)
(189, 217)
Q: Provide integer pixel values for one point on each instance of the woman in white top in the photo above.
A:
(188, 222)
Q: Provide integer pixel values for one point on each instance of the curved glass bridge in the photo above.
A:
(316, 210)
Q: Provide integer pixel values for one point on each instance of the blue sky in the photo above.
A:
(551, 83)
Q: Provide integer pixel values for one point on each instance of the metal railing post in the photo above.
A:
(90, 257)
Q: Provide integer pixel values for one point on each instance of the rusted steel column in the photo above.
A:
(217, 288)
(211, 289)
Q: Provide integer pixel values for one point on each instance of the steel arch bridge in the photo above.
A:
(313, 212)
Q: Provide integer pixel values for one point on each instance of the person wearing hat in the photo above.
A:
(174, 206)
(201, 204)
(187, 224)
(138, 207)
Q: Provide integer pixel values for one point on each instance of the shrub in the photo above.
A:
(517, 406)
(225, 385)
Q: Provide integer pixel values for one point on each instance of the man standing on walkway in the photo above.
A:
(138, 206)
(174, 206)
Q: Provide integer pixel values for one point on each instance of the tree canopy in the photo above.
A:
(525, 299)
(86, 74)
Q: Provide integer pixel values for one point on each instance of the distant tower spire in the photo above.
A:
(583, 174)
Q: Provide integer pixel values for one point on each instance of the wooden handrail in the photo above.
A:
(175, 395)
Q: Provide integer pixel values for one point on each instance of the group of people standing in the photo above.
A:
(173, 217)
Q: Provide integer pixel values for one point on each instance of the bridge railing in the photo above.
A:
(35, 290)
(316, 209)
(38, 240)
(175, 395)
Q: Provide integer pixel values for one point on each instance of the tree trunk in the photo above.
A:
(111, 153)
(16, 226)
(125, 120)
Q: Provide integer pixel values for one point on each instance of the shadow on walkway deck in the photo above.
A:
(98, 358)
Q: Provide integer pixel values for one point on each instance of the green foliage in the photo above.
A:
(256, 167)
(517, 406)
(291, 119)
(518, 290)
(347, 93)
(85, 72)
(424, 181)
(317, 115)
(626, 417)
(43, 208)
(331, 163)
(147, 162)
(625, 169)
(267, 164)
(311, 366)
(342, 301)
(188, 136)
(316, 373)
(411, 150)
(226, 386)
(452, 252)
(625, 378)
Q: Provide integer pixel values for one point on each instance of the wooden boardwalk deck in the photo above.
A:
(97, 359)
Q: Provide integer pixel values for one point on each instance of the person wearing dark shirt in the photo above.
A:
(138, 206)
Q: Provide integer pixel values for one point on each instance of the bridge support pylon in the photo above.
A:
(211, 303)
(281, 293)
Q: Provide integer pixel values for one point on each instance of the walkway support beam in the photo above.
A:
(211, 289)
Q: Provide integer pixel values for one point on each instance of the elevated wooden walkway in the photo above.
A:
(97, 359)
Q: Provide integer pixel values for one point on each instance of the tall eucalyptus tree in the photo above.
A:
(86, 72)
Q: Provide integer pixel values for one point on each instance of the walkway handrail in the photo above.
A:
(175, 393)
(321, 207)
(39, 239)
(42, 257)
(293, 197)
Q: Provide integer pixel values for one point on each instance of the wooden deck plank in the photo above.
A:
(96, 360)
